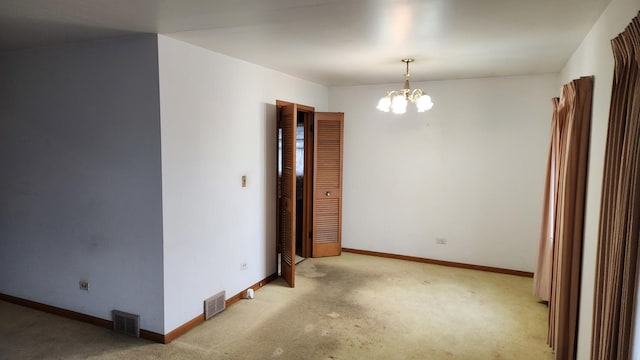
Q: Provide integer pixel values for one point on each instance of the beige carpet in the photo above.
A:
(347, 307)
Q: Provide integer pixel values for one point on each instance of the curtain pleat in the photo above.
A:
(617, 259)
(574, 118)
(542, 275)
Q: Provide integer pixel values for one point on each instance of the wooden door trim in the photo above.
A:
(305, 108)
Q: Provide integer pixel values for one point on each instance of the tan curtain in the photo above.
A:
(542, 275)
(568, 162)
(617, 259)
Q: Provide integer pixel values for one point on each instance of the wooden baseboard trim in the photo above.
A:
(177, 332)
(57, 311)
(108, 324)
(145, 334)
(182, 329)
(243, 294)
(441, 262)
(152, 336)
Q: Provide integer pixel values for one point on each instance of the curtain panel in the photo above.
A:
(557, 276)
(574, 113)
(617, 258)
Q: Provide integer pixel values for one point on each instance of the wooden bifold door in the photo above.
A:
(319, 221)
(327, 184)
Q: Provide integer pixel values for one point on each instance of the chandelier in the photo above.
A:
(397, 100)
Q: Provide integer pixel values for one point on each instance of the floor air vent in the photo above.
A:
(213, 305)
(126, 323)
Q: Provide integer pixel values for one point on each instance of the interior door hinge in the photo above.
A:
(310, 234)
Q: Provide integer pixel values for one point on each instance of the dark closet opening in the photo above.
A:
(300, 176)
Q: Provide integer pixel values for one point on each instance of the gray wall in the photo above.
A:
(81, 188)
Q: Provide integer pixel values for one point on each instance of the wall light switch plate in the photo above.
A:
(84, 285)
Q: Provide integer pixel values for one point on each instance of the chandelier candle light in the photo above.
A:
(397, 100)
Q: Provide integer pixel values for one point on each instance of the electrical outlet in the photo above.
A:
(441, 241)
(243, 266)
(84, 285)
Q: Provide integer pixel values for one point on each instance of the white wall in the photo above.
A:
(594, 57)
(80, 189)
(218, 123)
(470, 170)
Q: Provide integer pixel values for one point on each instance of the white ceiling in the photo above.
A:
(333, 42)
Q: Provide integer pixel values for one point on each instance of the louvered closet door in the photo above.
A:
(327, 184)
(287, 206)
